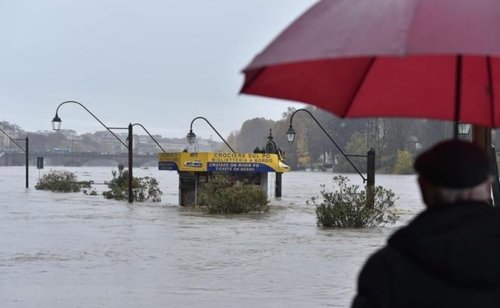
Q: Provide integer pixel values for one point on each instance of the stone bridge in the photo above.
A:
(75, 159)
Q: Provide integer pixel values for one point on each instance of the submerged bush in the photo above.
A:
(61, 181)
(347, 207)
(143, 189)
(220, 195)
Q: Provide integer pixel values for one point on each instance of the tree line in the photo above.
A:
(396, 141)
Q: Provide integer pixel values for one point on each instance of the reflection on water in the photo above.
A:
(74, 250)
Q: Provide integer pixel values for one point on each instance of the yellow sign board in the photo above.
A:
(222, 162)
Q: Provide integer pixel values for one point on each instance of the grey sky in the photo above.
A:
(160, 63)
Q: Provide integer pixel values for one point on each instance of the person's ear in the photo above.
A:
(424, 190)
(421, 182)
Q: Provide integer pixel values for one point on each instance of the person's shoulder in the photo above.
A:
(384, 255)
(381, 261)
(374, 278)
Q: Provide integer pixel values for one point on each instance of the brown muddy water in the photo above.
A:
(74, 250)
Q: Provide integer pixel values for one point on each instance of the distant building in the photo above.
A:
(68, 132)
(413, 144)
(201, 145)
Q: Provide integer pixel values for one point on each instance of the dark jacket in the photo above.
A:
(448, 256)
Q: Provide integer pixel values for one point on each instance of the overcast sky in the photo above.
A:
(160, 63)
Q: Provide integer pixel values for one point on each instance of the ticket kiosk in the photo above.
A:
(195, 168)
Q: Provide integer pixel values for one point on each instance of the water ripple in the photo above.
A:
(74, 250)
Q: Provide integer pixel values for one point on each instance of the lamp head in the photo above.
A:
(270, 137)
(290, 134)
(191, 137)
(56, 123)
(463, 129)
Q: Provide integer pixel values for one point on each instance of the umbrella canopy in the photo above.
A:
(388, 58)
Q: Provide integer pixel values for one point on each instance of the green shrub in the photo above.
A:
(222, 196)
(346, 207)
(143, 189)
(404, 162)
(61, 181)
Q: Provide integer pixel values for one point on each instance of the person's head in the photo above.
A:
(452, 171)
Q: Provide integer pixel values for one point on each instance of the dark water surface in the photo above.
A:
(74, 250)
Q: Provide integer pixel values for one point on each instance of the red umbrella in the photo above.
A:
(432, 59)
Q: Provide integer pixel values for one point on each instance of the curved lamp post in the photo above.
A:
(26, 151)
(191, 137)
(56, 122)
(290, 134)
(150, 136)
(56, 125)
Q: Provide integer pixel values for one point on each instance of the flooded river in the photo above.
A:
(73, 250)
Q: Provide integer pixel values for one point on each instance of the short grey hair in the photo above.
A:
(479, 192)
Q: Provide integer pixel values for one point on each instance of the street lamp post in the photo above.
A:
(191, 137)
(130, 148)
(26, 152)
(291, 137)
(150, 136)
(482, 136)
(370, 180)
(56, 122)
(130, 159)
(56, 125)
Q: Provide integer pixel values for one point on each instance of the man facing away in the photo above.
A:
(449, 255)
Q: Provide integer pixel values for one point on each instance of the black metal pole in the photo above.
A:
(370, 184)
(277, 190)
(458, 94)
(27, 161)
(130, 164)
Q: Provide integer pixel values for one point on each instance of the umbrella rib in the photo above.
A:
(358, 87)
(490, 92)
(458, 94)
